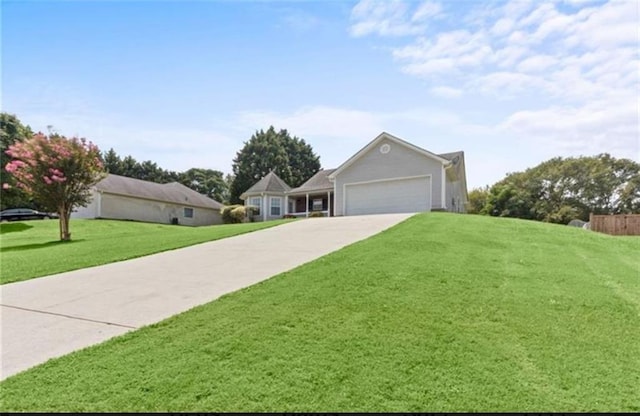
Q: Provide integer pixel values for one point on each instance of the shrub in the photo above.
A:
(238, 214)
(251, 211)
(316, 214)
(289, 216)
(233, 214)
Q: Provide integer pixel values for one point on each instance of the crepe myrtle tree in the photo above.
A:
(57, 172)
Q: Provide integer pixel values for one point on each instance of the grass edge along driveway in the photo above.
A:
(27, 250)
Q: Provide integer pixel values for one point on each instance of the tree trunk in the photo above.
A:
(65, 215)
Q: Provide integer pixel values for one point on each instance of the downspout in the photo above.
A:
(307, 206)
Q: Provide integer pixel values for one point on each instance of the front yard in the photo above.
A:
(444, 313)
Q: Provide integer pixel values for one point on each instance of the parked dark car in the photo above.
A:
(22, 214)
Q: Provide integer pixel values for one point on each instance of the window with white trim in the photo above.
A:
(188, 212)
(256, 202)
(317, 205)
(276, 204)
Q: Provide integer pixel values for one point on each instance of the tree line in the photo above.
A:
(289, 156)
(561, 189)
(209, 182)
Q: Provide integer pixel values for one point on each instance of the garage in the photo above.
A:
(395, 195)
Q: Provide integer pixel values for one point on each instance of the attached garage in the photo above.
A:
(394, 195)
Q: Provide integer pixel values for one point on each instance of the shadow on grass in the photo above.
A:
(14, 228)
(39, 245)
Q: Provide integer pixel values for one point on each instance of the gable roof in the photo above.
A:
(317, 182)
(269, 183)
(173, 192)
(382, 136)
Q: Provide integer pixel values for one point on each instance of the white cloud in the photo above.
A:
(592, 128)
(319, 121)
(426, 10)
(446, 92)
(451, 50)
(536, 63)
(392, 17)
(502, 26)
(570, 73)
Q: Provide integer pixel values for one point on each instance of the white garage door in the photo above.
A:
(388, 196)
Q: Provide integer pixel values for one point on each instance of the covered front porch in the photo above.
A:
(310, 204)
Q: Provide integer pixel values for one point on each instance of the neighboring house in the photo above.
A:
(388, 175)
(122, 198)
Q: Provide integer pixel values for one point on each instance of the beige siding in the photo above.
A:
(399, 162)
(90, 211)
(128, 208)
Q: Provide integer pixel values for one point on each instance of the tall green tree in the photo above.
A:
(559, 190)
(112, 162)
(208, 182)
(131, 168)
(11, 132)
(291, 158)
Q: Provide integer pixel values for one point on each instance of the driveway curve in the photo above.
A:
(52, 316)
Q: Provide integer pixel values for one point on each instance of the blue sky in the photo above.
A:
(184, 84)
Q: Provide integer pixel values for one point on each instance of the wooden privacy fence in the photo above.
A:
(623, 224)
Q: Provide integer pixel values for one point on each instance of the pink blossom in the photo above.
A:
(47, 180)
(6, 186)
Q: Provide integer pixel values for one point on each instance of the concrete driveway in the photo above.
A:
(52, 316)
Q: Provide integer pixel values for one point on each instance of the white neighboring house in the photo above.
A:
(388, 175)
(122, 198)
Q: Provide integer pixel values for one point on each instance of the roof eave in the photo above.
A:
(307, 191)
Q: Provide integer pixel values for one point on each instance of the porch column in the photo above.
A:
(286, 204)
(264, 208)
(306, 207)
(329, 204)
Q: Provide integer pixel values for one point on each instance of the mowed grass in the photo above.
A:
(442, 313)
(31, 248)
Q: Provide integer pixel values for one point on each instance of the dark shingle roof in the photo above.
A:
(269, 183)
(318, 181)
(173, 192)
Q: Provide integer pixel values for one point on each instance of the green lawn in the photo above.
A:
(30, 249)
(442, 313)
